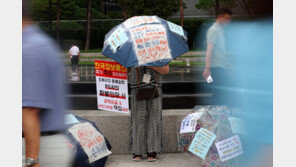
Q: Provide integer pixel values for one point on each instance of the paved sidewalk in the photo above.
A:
(165, 160)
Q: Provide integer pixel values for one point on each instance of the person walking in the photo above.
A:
(146, 111)
(43, 142)
(252, 43)
(217, 61)
(74, 54)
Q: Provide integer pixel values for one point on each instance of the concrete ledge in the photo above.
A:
(116, 128)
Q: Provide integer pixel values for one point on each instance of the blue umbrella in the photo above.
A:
(145, 41)
(81, 159)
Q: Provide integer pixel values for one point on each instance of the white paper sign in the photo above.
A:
(92, 141)
(117, 38)
(150, 43)
(112, 90)
(138, 20)
(176, 28)
(229, 148)
(238, 125)
(189, 123)
(202, 142)
(146, 78)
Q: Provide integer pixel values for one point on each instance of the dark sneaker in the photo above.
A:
(137, 158)
(152, 157)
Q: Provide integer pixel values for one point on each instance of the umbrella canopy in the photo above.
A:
(145, 41)
(81, 157)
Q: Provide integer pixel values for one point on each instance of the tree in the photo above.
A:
(50, 16)
(58, 21)
(88, 24)
(211, 7)
(245, 5)
(181, 13)
(161, 8)
(69, 10)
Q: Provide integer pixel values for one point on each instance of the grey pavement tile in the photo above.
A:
(126, 161)
(178, 160)
(114, 160)
(165, 160)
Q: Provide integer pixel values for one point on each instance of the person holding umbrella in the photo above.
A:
(145, 45)
(146, 111)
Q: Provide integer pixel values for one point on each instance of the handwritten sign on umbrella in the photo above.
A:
(117, 38)
(138, 20)
(145, 41)
(92, 141)
(150, 43)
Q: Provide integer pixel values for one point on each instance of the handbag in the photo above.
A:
(146, 93)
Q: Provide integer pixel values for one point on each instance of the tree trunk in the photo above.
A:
(244, 5)
(50, 16)
(88, 22)
(181, 13)
(124, 15)
(58, 21)
(217, 6)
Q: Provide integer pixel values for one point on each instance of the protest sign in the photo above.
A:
(189, 123)
(176, 28)
(150, 43)
(238, 125)
(202, 142)
(117, 38)
(229, 148)
(138, 20)
(91, 140)
(112, 91)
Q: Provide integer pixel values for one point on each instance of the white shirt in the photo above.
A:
(74, 51)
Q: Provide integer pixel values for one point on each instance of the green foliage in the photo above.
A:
(161, 8)
(115, 14)
(70, 10)
(40, 10)
(75, 32)
(209, 6)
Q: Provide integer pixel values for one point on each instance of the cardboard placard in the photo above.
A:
(202, 142)
(229, 148)
(112, 86)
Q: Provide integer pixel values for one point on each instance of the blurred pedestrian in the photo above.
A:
(74, 55)
(43, 111)
(217, 61)
(252, 43)
(146, 111)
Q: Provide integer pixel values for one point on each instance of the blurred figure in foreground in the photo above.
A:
(42, 99)
(217, 63)
(252, 44)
